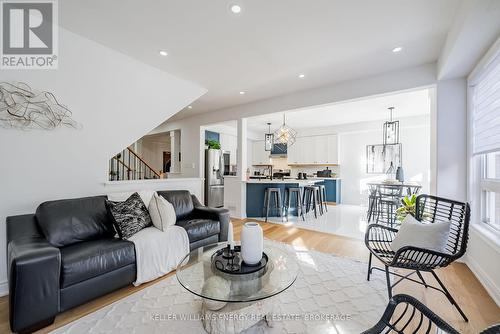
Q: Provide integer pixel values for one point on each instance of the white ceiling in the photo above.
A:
(406, 104)
(264, 49)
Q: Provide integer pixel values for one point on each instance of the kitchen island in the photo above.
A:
(255, 190)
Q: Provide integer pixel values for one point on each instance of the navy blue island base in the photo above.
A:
(256, 190)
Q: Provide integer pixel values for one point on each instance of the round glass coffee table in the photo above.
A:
(235, 302)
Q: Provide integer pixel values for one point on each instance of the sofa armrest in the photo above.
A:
(219, 214)
(34, 274)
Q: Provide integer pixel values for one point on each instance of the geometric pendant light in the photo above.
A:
(285, 134)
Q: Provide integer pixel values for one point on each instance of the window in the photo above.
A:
(485, 125)
(490, 189)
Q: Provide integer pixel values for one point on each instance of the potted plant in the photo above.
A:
(213, 144)
(408, 207)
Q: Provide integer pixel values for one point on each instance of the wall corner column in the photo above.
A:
(242, 163)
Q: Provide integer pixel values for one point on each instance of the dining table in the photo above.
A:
(395, 190)
(410, 188)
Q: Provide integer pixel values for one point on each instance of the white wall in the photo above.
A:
(451, 139)
(117, 100)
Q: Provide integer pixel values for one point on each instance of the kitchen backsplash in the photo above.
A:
(310, 170)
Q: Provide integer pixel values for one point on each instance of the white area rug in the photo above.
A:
(330, 295)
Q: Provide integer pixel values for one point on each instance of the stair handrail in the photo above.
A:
(122, 163)
(144, 162)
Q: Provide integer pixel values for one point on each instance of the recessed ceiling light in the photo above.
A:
(190, 107)
(236, 9)
(302, 76)
(163, 53)
(397, 49)
(242, 93)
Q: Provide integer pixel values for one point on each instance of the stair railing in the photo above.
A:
(128, 165)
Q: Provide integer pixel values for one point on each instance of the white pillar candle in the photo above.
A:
(230, 238)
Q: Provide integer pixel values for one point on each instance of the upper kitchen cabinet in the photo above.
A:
(320, 150)
(314, 150)
(259, 155)
(333, 149)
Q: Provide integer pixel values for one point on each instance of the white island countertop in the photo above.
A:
(285, 181)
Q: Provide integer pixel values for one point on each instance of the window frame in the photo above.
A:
(477, 183)
(487, 185)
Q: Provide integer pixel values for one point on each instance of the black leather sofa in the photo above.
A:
(65, 254)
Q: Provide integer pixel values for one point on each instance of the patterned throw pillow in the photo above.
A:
(129, 216)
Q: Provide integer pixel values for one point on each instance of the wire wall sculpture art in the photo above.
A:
(22, 107)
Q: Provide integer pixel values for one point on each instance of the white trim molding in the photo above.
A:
(482, 275)
(485, 280)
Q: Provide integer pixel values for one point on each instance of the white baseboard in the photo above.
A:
(484, 279)
(4, 288)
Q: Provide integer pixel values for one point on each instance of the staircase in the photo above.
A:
(127, 165)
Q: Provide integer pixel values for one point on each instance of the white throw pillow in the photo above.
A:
(162, 212)
(428, 236)
(146, 196)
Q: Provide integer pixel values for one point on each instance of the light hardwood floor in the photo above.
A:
(469, 293)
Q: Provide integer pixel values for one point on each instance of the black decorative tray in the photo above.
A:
(232, 263)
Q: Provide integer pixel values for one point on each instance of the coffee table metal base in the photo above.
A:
(236, 317)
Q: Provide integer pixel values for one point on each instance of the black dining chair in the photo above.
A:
(429, 209)
(388, 200)
(372, 202)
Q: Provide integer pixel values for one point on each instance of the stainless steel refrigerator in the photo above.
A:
(214, 179)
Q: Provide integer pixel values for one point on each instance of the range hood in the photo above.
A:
(279, 151)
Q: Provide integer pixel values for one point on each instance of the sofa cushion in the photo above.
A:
(181, 200)
(129, 217)
(198, 229)
(68, 221)
(162, 212)
(89, 259)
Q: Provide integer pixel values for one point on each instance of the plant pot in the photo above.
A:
(252, 243)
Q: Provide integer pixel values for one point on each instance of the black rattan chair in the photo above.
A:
(405, 314)
(492, 330)
(429, 209)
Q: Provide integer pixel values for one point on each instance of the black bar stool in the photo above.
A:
(276, 193)
(299, 205)
(311, 197)
(322, 198)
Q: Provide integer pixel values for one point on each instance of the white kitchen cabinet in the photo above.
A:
(259, 155)
(320, 149)
(293, 152)
(307, 151)
(333, 149)
(314, 150)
